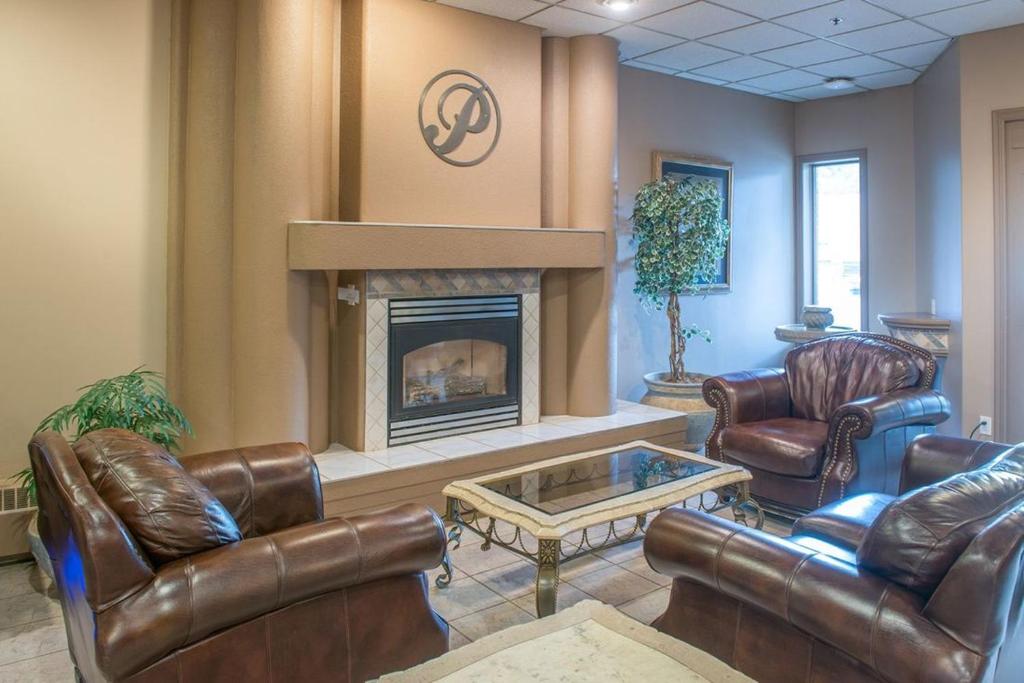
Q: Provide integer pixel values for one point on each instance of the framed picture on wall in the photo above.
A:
(679, 166)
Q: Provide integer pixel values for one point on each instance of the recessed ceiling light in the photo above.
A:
(618, 5)
(840, 83)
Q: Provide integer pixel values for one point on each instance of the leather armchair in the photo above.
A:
(830, 604)
(300, 597)
(834, 422)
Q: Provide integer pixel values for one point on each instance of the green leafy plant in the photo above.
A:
(136, 401)
(680, 237)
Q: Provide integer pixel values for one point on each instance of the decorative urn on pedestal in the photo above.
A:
(680, 237)
(817, 317)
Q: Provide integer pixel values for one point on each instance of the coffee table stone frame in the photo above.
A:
(468, 502)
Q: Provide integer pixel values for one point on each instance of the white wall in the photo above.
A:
(881, 122)
(938, 233)
(659, 112)
(83, 201)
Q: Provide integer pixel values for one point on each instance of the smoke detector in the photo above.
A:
(839, 83)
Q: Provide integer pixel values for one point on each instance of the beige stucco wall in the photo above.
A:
(83, 201)
(881, 122)
(990, 80)
(658, 112)
(404, 44)
(937, 238)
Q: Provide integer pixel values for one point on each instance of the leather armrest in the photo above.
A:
(265, 488)
(193, 597)
(931, 458)
(864, 615)
(748, 396)
(844, 522)
(877, 414)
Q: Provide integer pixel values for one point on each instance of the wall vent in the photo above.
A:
(14, 499)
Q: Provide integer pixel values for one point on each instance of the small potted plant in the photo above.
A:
(680, 237)
(137, 401)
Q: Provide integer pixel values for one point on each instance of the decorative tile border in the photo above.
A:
(384, 285)
(394, 284)
(935, 341)
(920, 329)
(530, 345)
(376, 430)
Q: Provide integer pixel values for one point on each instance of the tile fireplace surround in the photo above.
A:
(385, 286)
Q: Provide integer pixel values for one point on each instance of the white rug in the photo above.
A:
(590, 641)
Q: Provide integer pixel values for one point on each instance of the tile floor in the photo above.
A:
(494, 589)
(491, 590)
(33, 646)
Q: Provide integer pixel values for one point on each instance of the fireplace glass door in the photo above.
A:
(454, 370)
(453, 366)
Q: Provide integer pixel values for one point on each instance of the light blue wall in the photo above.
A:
(660, 112)
(939, 227)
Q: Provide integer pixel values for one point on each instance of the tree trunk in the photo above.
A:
(678, 341)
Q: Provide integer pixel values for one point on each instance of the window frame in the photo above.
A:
(804, 210)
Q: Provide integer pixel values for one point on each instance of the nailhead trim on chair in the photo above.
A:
(716, 397)
(846, 434)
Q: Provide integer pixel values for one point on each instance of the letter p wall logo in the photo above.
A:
(459, 118)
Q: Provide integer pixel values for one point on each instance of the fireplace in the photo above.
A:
(454, 366)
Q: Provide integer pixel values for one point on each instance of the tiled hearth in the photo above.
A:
(339, 462)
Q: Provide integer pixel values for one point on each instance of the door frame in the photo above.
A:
(1000, 119)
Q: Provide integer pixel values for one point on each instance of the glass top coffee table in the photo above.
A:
(577, 504)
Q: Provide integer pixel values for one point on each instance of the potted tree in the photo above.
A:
(136, 401)
(680, 237)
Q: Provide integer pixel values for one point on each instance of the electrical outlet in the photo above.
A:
(986, 425)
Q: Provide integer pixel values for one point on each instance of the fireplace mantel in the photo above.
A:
(314, 245)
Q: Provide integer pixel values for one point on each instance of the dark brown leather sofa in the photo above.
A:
(298, 598)
(927, 587)
(834, 422)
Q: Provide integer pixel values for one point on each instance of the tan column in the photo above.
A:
(324, 205)
(554, 301)
(206, 264)
(176, 194)
(593, 125)
(271, 321)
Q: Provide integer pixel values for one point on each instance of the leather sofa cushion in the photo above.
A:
(920, 535)
(827, 373)
(785, 445)
(844, 522)
(166, 509)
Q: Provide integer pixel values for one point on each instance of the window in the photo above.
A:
(832, 236)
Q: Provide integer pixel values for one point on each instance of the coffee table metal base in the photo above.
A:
(551, 553)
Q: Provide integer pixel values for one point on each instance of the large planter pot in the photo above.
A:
(685, 397)
(35, 544)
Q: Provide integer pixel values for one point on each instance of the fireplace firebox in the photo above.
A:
(453, 366)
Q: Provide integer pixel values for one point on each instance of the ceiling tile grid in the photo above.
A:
(784, 49)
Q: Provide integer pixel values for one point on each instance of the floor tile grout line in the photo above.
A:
(484, 609)
(56, 618)
(37, 656)
(642, 595)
